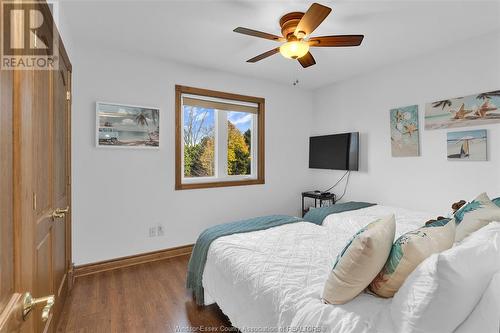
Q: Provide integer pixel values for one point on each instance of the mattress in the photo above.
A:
(274, 278)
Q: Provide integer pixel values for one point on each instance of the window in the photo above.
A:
(219, 139)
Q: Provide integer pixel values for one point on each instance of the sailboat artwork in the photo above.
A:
(467, 145)
(465, 111)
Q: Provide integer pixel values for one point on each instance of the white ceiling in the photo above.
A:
(200, 32)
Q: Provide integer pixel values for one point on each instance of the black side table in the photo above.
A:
(317, 196)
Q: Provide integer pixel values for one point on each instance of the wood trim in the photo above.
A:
(178, 136)
(69, 216)
(71, 277)
(137, 259)
(261, 142)
(218, 94)
(179, 90)
(221, 184)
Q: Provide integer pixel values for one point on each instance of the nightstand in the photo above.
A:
(325, 199)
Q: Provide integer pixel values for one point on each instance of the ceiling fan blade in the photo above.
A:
(307, 60)
(259, 34)
(264, 55)
(336, 41)
(311, 20)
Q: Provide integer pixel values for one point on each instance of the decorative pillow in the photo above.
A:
(445, 288)
(360, 261)
(408, 251)
(475, 215)
(496, 201)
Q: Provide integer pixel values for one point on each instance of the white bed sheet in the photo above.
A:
(274, 278)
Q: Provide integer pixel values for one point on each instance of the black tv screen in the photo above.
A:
(337, 151)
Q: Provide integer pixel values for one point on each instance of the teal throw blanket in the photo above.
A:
(317, 215)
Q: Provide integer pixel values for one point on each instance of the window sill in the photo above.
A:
(243, 182)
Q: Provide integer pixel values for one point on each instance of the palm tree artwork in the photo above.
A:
(444, 103)
(130, 126)
(465, 111)
(488, 95)
(141, 119)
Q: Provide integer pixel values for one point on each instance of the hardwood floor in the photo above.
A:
(149, 297)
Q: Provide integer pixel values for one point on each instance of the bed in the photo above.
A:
(274, 278)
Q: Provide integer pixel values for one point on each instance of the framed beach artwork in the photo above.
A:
(465, 111)
(404, 131)
(127, 126)
(467, 145)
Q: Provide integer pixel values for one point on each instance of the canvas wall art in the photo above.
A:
(127, 126)
(404, 131)
(467, 145)
(465, 111)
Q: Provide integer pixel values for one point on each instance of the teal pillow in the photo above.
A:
(408, 251)
(360, 261)
(475, 215)
(497, 201)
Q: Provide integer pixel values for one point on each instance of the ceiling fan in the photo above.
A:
(296, 28)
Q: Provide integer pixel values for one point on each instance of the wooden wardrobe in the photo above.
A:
(35, 194)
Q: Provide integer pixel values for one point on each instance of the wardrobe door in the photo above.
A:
(9, 298)
(43, 187)
(35, 192)
(51, 114)
(61, 183)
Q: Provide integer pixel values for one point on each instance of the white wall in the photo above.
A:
(363, 103)
(118, 194)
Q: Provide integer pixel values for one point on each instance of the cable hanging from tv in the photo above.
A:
(346, 184)
(333, 186)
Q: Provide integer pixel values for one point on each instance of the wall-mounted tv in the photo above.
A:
(337, 151)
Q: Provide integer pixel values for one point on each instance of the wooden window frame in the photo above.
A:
(179, 90)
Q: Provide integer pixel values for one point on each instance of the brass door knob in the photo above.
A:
(55, 215)
(29, 302)
(59, 213)
(62, 211)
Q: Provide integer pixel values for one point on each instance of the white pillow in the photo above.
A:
(360, 261)
(486, 315)
(446, 287)
(475, 215)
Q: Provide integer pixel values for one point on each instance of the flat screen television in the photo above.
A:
(336, 152)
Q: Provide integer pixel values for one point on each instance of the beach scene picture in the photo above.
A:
(467, 145)
(127, 126)
(465, 111)
(404, 131)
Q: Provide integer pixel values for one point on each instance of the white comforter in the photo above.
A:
(274, 278)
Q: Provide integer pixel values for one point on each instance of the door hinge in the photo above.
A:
(68, 96)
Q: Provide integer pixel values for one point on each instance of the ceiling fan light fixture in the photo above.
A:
(294, 49)
(300, 34)
(296, 28)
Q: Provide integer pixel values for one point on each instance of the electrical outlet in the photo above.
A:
(160, 230)
(152, 231)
